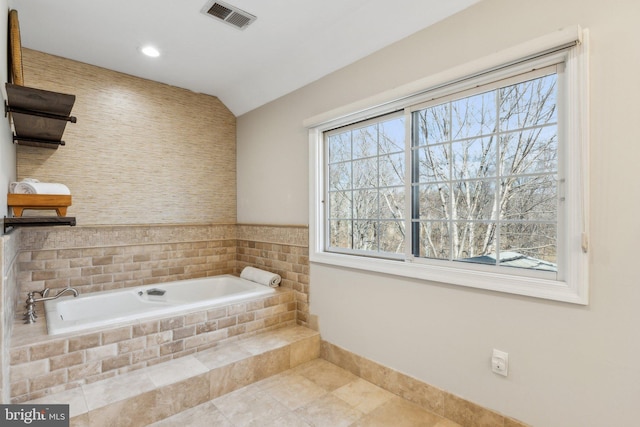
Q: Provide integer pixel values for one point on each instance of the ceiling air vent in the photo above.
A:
(229, 14)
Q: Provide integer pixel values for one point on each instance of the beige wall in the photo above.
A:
(141, 152)
(569, 365)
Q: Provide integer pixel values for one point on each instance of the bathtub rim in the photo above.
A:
(266, 293)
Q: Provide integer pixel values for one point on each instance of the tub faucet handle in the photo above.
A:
(43, 293)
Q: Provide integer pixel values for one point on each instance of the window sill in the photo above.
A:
(508, 283)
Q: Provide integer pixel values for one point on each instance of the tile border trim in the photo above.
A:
(440, 402)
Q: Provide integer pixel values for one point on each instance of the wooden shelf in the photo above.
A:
(38, 221)
(39, 116)
(20, 202)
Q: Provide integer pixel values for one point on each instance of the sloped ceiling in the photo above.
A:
(292, 42)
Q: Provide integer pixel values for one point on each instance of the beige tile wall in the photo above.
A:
(141, 152)
(283, 250)
(100, 258)
(8, 295)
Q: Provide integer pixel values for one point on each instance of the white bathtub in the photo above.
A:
(97, 309)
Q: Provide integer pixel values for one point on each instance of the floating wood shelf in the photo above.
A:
(39, 116)
(38, 221)
(20, 202)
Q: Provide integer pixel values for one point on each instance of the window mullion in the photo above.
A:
(412, 185)
(352, 193)
(452, 227)
(499, 174)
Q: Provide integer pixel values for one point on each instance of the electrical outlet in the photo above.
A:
(500, 362)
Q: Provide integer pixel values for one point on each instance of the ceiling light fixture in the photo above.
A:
(150, 51)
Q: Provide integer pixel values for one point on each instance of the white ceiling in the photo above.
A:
(291, 44)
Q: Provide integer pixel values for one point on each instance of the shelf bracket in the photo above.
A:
(34, 142)
(8, 109)
(37, 221)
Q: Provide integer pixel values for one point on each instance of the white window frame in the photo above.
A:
(573, 287)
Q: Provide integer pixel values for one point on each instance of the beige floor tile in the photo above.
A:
(245, 409)
(274, 380)
(288, 420)
(398, 412)
(294, 391)
(329, 411)
(363, 396)
(205, 415)
(325, 374)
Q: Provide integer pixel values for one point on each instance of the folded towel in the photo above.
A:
(260, 276)
(33, 186)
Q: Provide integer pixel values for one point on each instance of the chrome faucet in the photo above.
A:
(30, 315)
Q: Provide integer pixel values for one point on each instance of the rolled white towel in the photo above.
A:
(12, 186)
(32, 186)
(261, 276)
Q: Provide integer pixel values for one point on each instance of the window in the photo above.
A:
(366, 187)
(478, 182)
(485, 175)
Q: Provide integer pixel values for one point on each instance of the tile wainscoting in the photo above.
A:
(283, 250)
(100, 258)
(440, 402)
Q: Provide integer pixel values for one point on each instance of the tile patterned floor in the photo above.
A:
(315, 394)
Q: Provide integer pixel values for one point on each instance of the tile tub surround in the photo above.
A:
(447, 405)
(151, 394)
(284, 250)
(93, 259)
(43, 364)
(99, 258)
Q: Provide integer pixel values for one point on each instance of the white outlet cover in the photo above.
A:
(500, 362)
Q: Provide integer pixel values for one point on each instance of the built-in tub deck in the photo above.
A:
(42, 364)
(153, 393)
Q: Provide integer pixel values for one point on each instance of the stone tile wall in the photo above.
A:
(141, 152)
(283, 250)
(102, 258)
(8, 295)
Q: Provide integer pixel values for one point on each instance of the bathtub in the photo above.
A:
(97, 309)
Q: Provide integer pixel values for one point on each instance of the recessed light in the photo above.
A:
(150, 51)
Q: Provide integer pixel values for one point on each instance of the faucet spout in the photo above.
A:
(62, 292)
(30, 314)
